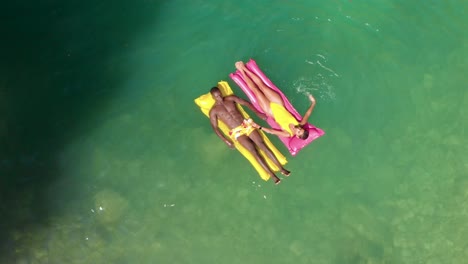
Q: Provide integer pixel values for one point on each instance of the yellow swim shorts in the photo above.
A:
(243, 129)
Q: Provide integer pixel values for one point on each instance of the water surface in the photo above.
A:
(131, 172)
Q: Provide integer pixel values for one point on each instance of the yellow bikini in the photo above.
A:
(283, 117)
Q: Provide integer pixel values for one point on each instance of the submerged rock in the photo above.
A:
(110, 206)
(428, 81)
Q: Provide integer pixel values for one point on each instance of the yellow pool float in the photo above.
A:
(206, 102)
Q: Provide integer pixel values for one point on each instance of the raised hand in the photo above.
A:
(311, 98)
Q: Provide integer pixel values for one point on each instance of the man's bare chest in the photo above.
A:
(227, 108)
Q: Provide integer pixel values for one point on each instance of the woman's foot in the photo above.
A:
(240, 66)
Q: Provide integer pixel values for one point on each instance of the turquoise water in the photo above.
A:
(108, 159)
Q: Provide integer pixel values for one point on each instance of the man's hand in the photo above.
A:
(229, 143)
(254, 125)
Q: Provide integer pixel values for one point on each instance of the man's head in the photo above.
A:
(300, 132)
(216, 94)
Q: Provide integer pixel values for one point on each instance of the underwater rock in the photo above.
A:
(296, 248)
(205, 145)
(464, 110)
(368, 237)
(110, 206)
(212, 149)
(101, 163)
(343, 139)
(453, 141)
(428, 81)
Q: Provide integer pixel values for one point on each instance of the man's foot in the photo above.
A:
(277, 181)
(285, 172)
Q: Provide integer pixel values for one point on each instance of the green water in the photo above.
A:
(108, 160)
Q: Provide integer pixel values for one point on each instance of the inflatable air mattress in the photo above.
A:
(206, 101)
(294, 144)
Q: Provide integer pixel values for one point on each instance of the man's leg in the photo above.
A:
(249, 145)
(270, 94)
(258, 140)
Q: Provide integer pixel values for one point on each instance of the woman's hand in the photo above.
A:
(254, 125)
(311, 98)
(309, 111)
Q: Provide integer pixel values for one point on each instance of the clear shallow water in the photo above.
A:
(141, 178)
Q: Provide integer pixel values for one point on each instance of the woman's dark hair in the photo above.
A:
(305, 135)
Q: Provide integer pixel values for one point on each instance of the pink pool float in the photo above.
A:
(294, 144)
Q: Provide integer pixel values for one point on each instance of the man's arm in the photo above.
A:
(309, 111)
(241, 101)
(214, 125)
(280, 133)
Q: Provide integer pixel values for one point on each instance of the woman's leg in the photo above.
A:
(262, 99)
(270, 94)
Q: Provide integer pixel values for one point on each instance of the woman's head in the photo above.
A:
(300, 132)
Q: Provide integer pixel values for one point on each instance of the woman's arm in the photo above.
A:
(309, 111)
(280, 133)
